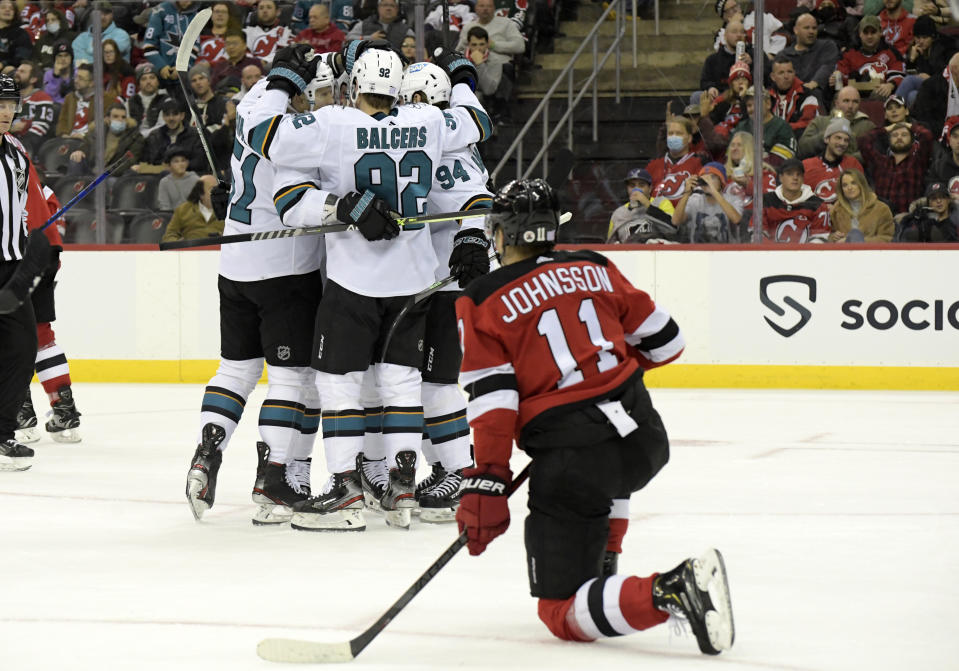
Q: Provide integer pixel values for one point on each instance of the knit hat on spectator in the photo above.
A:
(937, 190)
(144, 68)
(201, 68)
(714, 168)
(924, 27)
(740, 69)
(175, 150)
(63, 48)
(838, 125)
(869, 21)
(894, 99)
(639, 173)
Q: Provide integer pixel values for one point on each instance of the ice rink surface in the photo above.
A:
(837, 513)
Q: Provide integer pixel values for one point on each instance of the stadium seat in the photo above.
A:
(66, 188)
(133, 192)
(874, 109)
(54, 154)
(148, 228)
(82, 228)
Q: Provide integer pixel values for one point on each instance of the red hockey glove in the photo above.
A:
(484, 509)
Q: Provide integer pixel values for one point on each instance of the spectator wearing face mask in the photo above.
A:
(121, 136)
(57, 32)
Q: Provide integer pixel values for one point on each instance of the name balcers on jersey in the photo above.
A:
(329, 153)
(555, 330)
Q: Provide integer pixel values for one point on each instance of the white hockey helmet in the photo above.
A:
(376, 71)
(428, 79)
(324, 79)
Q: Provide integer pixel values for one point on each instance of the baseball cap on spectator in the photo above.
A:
(869, 21)
(740, 69)
(175, 150)
(144, 68)
(714, 168)
(937, 190)
(924, 27)
(952, 123)
(201, 68)
(105, 6)
(838, 125)
(172, 106)
(792, 164)
(894, 99)
(693, 106)
(639, 173)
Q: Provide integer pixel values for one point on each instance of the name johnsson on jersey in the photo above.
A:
(548, 283)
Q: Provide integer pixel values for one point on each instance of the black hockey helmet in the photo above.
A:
(10, 90)
(528, 212)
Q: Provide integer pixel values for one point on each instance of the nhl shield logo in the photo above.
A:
(282, 352)
(21, 175)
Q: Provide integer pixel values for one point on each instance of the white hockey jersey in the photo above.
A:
(339, 150)
(460, 184)
(251, 209)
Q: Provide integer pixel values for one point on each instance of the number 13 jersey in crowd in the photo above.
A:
(554, 330)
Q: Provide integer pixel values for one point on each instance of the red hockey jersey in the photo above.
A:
(550, 331)
(670, 176)
(801, 220)
(823, 177)
(884, 65)
(795, 106)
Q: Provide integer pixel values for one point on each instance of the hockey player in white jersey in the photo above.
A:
(463, 251)
(383, 159)
(269, 292)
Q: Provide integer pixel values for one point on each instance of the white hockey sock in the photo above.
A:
(344, 422)
(282, 412)
(310, 423)
(373, 447)
(225, 395)
(444, 408)
(399, 387)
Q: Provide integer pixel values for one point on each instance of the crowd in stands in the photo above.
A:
(48, 48)
(860, 115)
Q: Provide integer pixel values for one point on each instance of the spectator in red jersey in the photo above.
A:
(322, 35)
(896, 25)
(33, 125)
(872, 61)
(791, 101)
(118, 78)
(858, 215)
(671, 171)
(212, 47)
(237, 58)
(896, 159)
(740, 173)
(822, 172)
(793, 213)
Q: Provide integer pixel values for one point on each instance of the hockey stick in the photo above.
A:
(24, 280)
(293, 650)
(405, 223)
(184, 51)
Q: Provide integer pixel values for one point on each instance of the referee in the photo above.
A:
(18, 329)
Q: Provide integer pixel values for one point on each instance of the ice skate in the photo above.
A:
(435, 476)
(273, 492)
(64, 424)
(27, 429)
(201, 480)
(438, 503)
(697, 591)
(338, 508)
(374, 477)
(398, 500)
(15, 456)
(298, 475)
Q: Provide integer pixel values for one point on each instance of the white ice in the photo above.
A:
(837, 513)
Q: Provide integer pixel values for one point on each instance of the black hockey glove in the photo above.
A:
(220, 199)
(293, 68)
(459, 68)
(470, 256)
(352, 50)
(368, 213)
(28, 274)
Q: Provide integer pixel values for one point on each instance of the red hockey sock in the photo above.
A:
(618, 523)
(555, 614)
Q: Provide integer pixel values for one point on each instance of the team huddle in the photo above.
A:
(366, 336)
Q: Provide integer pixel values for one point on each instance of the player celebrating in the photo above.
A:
(269, 292)
(554, 346)
(391, 154)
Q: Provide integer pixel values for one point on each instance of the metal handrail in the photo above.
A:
(542, 109)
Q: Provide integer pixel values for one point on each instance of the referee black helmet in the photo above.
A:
(10, 90)
(528, 212)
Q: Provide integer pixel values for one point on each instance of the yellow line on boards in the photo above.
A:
(695, 376)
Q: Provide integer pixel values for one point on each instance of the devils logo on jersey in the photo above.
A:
(672, 185)
(826, 189)
(265, 45)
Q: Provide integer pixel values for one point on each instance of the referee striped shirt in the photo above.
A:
(14, 169)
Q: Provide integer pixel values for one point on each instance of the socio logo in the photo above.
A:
(805, 288)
